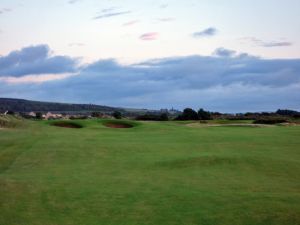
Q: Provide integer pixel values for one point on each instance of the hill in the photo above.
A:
(22, 105)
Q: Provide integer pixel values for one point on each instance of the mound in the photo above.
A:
(67, 124)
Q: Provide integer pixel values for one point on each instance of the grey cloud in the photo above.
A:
(35, 60)
(73, 1)
(267, 44)
(227, 81)
(106, 10)
(111, 14)
(167, 19)
(211, 31)
(276, 44)
(164, 6)
(5, 10)
(222, 52)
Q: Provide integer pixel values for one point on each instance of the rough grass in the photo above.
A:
(9, 121)
(155, 173)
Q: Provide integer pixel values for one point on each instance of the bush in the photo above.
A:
(270, 121)
(10, 113)
(204, 115)
(164, 117)
(153, 117)
(117, 115)
(97, 114)
(188, 114)
(38, 115)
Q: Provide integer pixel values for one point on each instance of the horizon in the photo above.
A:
(149, 109)
(228, 57)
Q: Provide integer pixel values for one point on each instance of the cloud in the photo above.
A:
(5, 10)
(167, 19)
(37, 78)
(277, 44)
(106, 10)
(149, 36)
(211, 31)
(35, 60)
(73, 1)
(111, 14)
(222, 52)
(164, 6)
(267, 44)
(77, 44)
(131, 23)
(226, 81)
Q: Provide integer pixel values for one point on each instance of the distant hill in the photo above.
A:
(22, 106)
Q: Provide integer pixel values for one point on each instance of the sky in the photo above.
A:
(229, 56)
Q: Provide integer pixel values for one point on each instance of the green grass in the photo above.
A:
(158, 173)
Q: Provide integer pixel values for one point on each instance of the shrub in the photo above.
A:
(204, 115)
(188, 114)
(153, 117)
(117, 115)
(164, 117)
(97, 114)
(38, 115)
(270, 121)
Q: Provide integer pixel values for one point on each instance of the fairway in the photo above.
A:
(154, 173)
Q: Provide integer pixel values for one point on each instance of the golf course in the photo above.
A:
(123, 172)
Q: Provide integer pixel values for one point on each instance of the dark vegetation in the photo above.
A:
(39, 115)
(287, 112)
(270, 121)
(190, 114)
(153, 117)
(80, 117)
(97, 114)
(21, 105)
(117, 115)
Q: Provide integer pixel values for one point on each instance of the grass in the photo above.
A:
(154, 173)
(9, 121)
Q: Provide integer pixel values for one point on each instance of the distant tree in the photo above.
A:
(97, 114)
(10, 112)
(38, 115)
(287, 112)
(164, 117)
(204, 115)
(188, 114)
(117, 115)
(153, 117)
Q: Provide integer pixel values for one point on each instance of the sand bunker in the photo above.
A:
(66, 124)
(118, 125)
